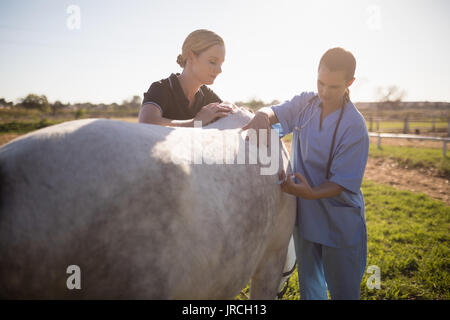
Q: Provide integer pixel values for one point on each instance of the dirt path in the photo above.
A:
(389, 172)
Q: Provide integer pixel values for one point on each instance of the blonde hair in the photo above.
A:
(197, 42)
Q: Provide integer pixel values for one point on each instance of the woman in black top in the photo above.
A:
(184, 98)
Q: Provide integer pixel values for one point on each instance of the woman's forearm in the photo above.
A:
(175, 123)
(151, 114)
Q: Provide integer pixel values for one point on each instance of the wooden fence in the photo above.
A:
(409, 137)
(404, 125)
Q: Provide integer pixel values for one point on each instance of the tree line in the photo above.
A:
(40, 102)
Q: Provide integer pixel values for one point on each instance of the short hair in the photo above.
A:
(339, 59)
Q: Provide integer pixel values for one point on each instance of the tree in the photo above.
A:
(274, 102)
(4, 103)
(34, 101)
(79, 113)
(57, 106)
(391, 94)
(133, 104)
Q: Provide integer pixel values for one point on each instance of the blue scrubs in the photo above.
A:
(330, 234)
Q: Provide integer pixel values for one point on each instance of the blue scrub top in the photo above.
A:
(338, 221)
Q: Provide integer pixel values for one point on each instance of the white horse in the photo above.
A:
(108, 197)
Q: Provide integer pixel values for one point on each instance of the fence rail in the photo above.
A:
(374, 124)
(410, 136)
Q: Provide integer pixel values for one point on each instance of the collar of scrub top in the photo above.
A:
(320, 106)
(310, 104)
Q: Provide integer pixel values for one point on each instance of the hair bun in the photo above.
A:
(181, 61)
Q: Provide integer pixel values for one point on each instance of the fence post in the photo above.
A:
(406, 125)
(444, 148)
(378, 126)
(379, 141)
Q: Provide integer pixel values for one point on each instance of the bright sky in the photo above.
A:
(273, 47)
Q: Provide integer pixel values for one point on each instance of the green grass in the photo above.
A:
(33, 115)
(414, 157)
(25, 126)
(288, 138)
(409, 240)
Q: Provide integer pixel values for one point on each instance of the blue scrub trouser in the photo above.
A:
(320, 266)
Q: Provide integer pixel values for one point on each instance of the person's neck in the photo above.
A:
(189, 85)
(330, 108)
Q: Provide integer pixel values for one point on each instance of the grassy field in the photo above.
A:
(23, 127)
(409, 240)
(32, 115)
(414, 157)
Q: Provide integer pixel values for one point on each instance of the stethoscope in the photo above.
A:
(297, 132)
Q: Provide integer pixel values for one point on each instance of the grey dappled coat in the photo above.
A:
(119, 200)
